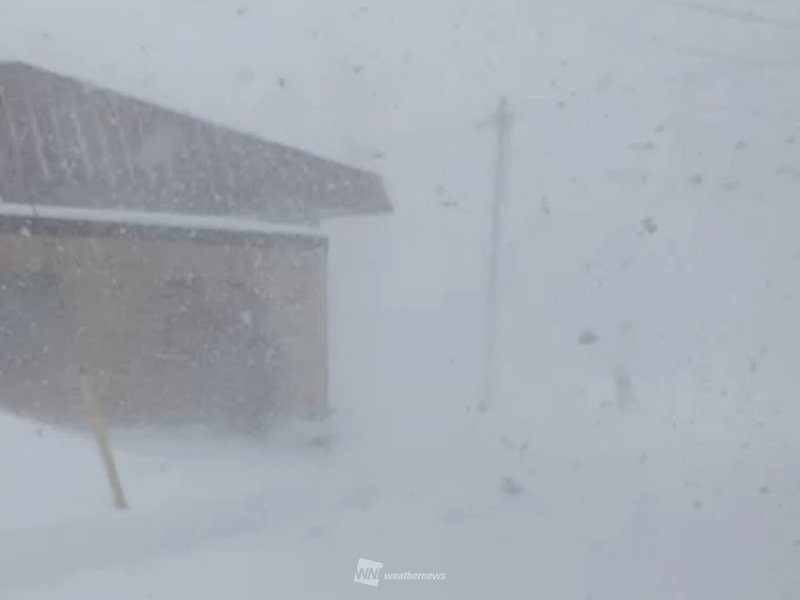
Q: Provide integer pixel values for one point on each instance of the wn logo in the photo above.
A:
(368, 572)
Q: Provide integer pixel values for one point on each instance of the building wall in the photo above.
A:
(227, 332)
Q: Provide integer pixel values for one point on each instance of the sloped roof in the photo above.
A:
(66, 142)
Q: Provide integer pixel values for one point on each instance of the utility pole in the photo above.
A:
(502, 121)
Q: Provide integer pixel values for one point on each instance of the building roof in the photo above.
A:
(65, 142)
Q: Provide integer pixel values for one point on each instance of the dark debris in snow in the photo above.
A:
(511, 487)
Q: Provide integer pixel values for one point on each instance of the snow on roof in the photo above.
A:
(153, 219)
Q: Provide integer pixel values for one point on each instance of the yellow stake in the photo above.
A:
(100, 428)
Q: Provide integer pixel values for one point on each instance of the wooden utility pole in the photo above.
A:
(502, 121)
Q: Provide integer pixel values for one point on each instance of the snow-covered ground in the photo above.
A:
(503, 514)
(652, 200)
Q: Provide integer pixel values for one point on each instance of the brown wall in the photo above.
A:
(224, 331)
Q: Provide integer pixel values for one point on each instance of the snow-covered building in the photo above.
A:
(177, 260)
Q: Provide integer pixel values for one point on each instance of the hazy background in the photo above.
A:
(652, 199)
(680, 112)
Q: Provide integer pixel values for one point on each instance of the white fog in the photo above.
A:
(262, 271)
